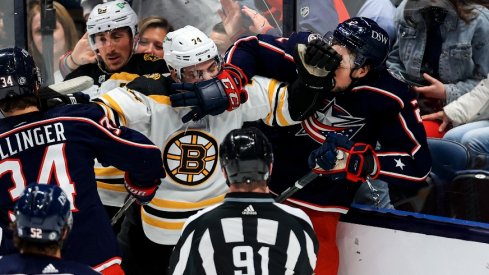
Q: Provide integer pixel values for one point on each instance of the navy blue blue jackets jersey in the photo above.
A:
(378, 110)
(37, 264)
(247, 234)
(59, 147)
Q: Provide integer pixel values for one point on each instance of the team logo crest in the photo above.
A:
(305, 11)
(190, 157)
(331, 118)
(154, 76)
(150, 57)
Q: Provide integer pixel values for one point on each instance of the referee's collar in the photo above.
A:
(248, 197)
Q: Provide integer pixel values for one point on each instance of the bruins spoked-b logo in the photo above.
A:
(190, 157)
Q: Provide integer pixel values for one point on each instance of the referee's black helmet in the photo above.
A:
(246, 156)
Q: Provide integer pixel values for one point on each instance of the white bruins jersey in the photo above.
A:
(190, 151)
(110, 180)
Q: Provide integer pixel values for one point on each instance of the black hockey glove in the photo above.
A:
(316, 64)
(151, 84)
(143, 193)
(49, 98)
(340, 158)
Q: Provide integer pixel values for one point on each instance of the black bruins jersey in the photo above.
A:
(138, 64)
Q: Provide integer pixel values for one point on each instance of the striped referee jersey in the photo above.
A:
(248, 233)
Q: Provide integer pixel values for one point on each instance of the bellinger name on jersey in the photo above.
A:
(28, 138)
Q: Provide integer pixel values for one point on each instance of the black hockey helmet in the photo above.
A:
(19, 74)
(42, 213)
(246, 156)
(366, 39)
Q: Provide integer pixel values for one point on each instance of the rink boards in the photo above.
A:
(391, 242)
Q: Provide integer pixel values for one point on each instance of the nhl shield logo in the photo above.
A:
(304, 11)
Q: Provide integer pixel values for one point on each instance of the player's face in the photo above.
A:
(343, 73)
(151, 41)
(114, 47)
(202, 71)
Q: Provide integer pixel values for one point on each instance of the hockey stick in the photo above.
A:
(298, 185)
(123, 210)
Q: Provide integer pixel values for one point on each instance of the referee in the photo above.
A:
(248, 233)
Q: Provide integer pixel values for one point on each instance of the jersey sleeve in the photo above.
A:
(404, 155)
(126, 149)
(265, 54)
(268, 100)
(126, 107)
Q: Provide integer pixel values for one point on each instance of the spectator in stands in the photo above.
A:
(442, 45)
(152, 31)
(3, 33)
(241, 20)
(65, 36)
(221, 38)
(318, 16)
(471, 112)
(199, 13)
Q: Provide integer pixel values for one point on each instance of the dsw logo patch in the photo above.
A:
(190, 157)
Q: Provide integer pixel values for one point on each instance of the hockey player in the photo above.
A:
(58, 146)
(42, 223)
(366, 104)
(188, 137)
(112, 29)
(248, 233)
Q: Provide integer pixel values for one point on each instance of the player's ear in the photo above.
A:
(361, 72)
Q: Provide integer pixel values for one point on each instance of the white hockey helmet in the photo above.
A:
(109, 16)
(186, 47)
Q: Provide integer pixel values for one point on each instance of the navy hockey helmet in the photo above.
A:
(19, 74)
(42, 213)
(366, 39)
(246, 156)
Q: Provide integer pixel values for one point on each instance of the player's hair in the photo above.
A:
(18, 103)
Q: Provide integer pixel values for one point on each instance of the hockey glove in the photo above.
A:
(210, 97)
(143, 193)
(234, 81)
(316, 64)
(340, 158)
(49, 98)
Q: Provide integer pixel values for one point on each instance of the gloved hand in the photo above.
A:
(143, 193)
(210, 97)
(49, 98)
(340, 158)
(234, 81)
(206, 98)
(316, 64)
